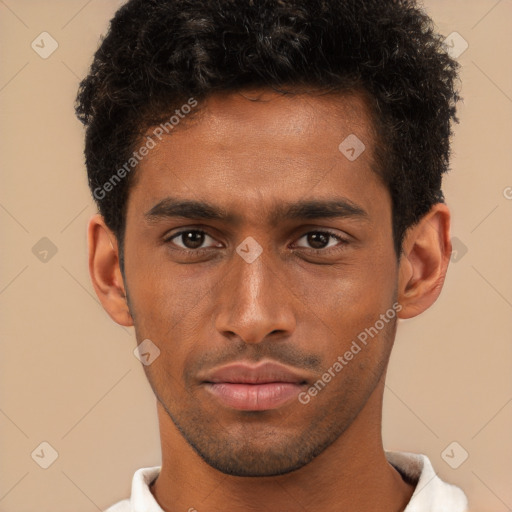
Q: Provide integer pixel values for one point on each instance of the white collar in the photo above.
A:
(430, 494)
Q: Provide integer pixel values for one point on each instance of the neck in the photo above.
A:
(351, 474)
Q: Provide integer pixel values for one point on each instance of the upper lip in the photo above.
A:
(245, 373)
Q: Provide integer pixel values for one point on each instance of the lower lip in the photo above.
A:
(254, 397)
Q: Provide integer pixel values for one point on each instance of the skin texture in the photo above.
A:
(291, 305)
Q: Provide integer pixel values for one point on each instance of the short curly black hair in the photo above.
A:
(159, 53)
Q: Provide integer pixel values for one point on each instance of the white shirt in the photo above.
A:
(430, 495)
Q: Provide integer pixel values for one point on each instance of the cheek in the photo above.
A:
(166, 305)
(352, 293)
(343, 306)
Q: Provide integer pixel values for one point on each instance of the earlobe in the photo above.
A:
(105, 271)
(424, 261)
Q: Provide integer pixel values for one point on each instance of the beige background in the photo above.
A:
(68, 373)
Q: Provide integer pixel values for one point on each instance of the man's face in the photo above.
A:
(301, 303)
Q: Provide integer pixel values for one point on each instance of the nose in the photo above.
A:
(254, 302)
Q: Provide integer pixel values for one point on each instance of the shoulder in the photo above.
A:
(430, 493)
(141, 499)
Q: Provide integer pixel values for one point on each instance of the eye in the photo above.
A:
(320, 240)
(190, 239)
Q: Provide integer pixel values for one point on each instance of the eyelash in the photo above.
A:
(205, 250)
(189, 252)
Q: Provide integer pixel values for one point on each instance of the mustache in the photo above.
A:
(276, 351)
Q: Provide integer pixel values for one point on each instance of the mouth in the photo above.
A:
(263, 387)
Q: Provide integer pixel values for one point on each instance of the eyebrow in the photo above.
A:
(340, 207)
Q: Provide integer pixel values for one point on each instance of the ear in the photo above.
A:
(424, 261)
(105, 271)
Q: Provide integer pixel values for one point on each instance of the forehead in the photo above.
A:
(246, 146)
(294, 116)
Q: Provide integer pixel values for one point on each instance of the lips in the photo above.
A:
(246, 387)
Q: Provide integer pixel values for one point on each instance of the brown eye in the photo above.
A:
(319, 240)
(190, 239)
